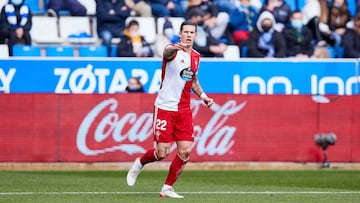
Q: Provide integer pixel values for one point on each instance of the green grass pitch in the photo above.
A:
(323, 185)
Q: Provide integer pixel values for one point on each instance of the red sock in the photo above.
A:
(175, 170)
(149, 156)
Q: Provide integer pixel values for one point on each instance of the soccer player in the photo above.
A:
(172, 114)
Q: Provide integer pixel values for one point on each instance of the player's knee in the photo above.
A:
(161, 153)
(185, 154)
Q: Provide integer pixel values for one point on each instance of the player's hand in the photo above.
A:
(208, 101)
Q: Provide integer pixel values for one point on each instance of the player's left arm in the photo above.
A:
(196, 87)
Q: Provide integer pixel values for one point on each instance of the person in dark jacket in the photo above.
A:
(281, 11)
(298, 37)
(73, 6)
(132, 44)
(351, 39)
(16, 22)
(111, 18)
(264, 41)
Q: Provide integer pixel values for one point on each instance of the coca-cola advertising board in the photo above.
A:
(118, 127)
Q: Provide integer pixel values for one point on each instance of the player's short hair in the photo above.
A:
(188, 22)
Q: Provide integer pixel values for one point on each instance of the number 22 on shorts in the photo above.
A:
(160, 124)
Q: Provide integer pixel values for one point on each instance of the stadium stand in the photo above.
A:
(82, 30)
(26, 50)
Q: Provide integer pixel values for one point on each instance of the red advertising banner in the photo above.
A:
(118, 127)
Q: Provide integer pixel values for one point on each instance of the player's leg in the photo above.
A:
(160, 152)
(163, 130)
(176, 168)
(183, 134)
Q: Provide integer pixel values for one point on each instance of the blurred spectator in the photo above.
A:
(73, 6)
(134, 85)
(111, 17)
(139, 7)
(311, 13)
(215, 21)
(298, 37)
(337, 19)
(242, 21)
(264, 40)
(162, 8)
(205, 43)
(351, 39)
(168, 36)
(132, 44)
(16, 22)
(281, 12)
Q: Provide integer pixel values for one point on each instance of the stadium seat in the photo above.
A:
(243, 52)
(175, 21)
(90, 6)
(352, 6)
(76, 29)
(93, 51)
(147, 27)
(36, 6)
(114, 50)
(232, 52)
(4, 51)
(331, 51)
(25, 50)
(45, 30)
(3, 2)
(59, 51)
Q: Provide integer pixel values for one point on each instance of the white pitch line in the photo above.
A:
(200, 192)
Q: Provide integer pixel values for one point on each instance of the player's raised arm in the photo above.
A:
(170, 51)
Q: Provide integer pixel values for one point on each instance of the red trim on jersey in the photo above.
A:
(185, 97)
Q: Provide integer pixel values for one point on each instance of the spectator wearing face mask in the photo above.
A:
(168, 36)
(281, 12)
(16, 22)
(132, 44)
(351, 39)
(298, 37)
(264, 41)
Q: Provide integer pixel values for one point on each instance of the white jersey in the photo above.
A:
(176, 81)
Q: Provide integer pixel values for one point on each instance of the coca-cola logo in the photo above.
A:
(216, 138)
